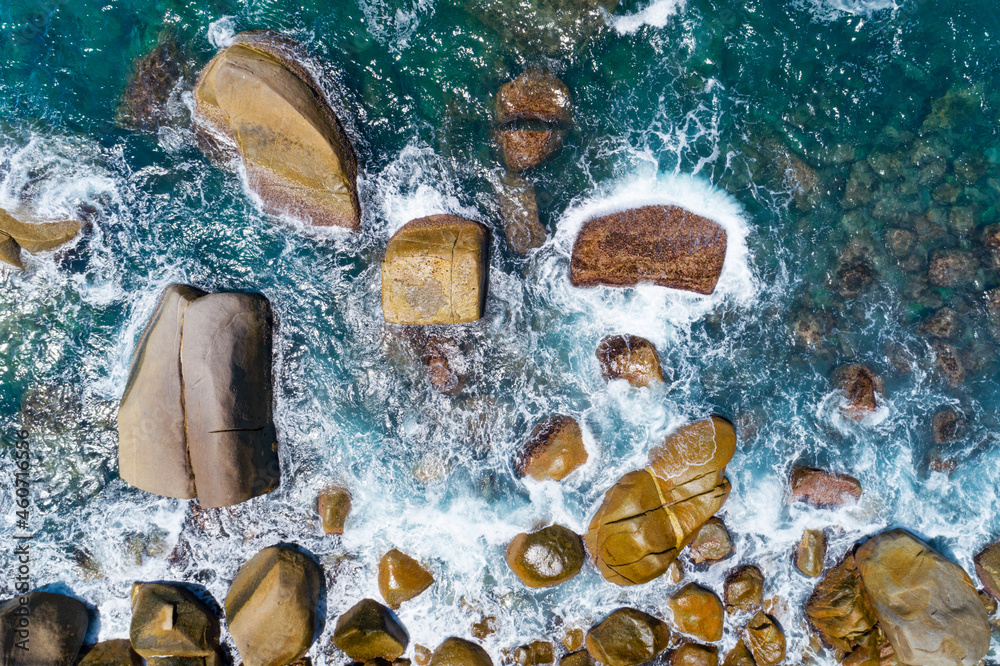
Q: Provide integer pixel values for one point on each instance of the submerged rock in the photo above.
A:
(42, 629)
(944, 324)
(811, 552)
(401, 578)
(823, 489)
(256, 99)
(554, 449)
(987, 562)
(948, 426)
(546, 557)
(551, 27)
(272, 606)
(445, 364)
(663, 245)
(524, 149)
(534, 95)
(17, 235)
(711, 543)
(860, 386)
(765, 640)
(155, 76)
(167, 620)
(519, 212)
(692, 654)
(697, 612)
(631, 358)
(460, 652)
(334, 505)
(627, 637)
(369, 630)
(116, 652)
(650, 514)
(854, 276)
(952, 268)
(434, 271)
(534, 654)
(744, 589)
(739, 656)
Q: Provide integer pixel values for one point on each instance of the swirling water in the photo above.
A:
(693, 102)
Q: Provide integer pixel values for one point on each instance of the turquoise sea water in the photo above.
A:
(725, 107)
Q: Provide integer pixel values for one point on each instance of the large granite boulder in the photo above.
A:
(17, 235)
(627, 637)
(272, 606)
(167, 620)
(256, 99)
(926, 605)
(631, 358)
(697, 612)
(434, 271)
(116, 652)
(545, 557)
(460, 652)
(42, 629)
(195, 418)
(401, 578)
(554, 449)
(651, 514)
(663, 245)
(369, 630)
(823, 489)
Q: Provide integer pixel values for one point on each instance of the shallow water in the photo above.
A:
(690, 102)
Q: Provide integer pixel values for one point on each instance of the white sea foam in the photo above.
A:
(832, 10)
(655, 14)
(221, 32)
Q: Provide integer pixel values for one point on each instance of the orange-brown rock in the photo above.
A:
(861, 387)
(823, 489)
(334, 505)
(631, 358)
(116, 652)
(578, 658)
(692, 654)
(663, 245)
(554, 449)
(573, 639)
(434, 271)
(400, 578)
(739, 656)
(697, 612)
(534, 95)
(711, 543)
(534, 653)
(524, 149)
(987, 563)
(519, 213)
(549, 556)
(744, 589)
(765, 640)
(837, 608)
(652, 513)
(460, 652)
(369, 630)
(627, 637)
(811, 552)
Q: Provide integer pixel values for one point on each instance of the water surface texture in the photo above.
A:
(814, 130)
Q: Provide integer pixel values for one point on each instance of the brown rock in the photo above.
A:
(546, 557)
(255, 99)
(989, 602)
(944, 324)
(272, 606)
(651, 514)
(739, 656)
(952, 268)
(900, 242)
(837, 608)
(554, 449)
(823, 489)
(692, 654)
(861, 387)
(38, 236)
(573, 639)
(401, 578)
(10, 251)
(534, 95)
(524, 149)
(627, 637)
(369, 630)
(55, 626)
(697, 612)
(987, 562)
(519, 212)
(744, 589)
(765, 640)
(855, 276)
(167, 620)
(534, 654)
(486, 626)
(460, 652)
(926, 605)
(664, 245)
(711, 543)
(117, 652)
(948, 364)
(442, 357)
(421, 654)
(948, 426)
(811, 552)
(631, 358)
(578, 658)
(675, 572)
(155, 75)
(334, 505)
(434, 271)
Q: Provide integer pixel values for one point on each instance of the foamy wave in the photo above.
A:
(221, 32)
(831, 10)
(655, 15)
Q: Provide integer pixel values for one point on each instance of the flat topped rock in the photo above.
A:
(627, 637)
(434, 271)
(823, 489)
(662, 245)
(256, 97)
(401, 578)
(534, 95)
(56, 627)
(548, 556)
(554, 449)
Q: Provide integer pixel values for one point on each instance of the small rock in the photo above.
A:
(524, 149)
(900, 242)
(534, 95)
(811, 552)
(578, 658)
(546, 557)
(697, 612)
(989, 602)
(627, 637)
(460, 652)
(948, 426)
(401, 578)
(739, 656)
(519, 212)
(765, 640)
(962, 219)
(854, 277)
(369, 630)
(168, 620)
(823, 489)
(810, 328)
(944, 324)
(486, 626)
(948, 364)
(631, 358)
(117, 652)
(334, 506)
(554, 449)
(56, 626)
(744, 589)
(534, 654)
(692, 654)
(573, 639)
(711, 542)
(675, 572)
(860, 386)
(837, 609)
(987, 562)
(859, 186)
(952, 268)
(421, 654)
(946, 193)
(443, 359)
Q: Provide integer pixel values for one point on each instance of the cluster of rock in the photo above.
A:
(195, 418)
(17, 235)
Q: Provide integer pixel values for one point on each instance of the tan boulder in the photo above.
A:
(254, 97)
(765, 640)
(811, 552)
(272, 606)
(534, 95)
(744, 589)
(837, 608)
(401, 578)
(631, 358)
(926, 605)
(711, 543)
(334, 504)
(627, 637)
(987, 563)
(117, 652)
(578, 658)
(663, 245)
(460, 652)
(697, 612)
(167, 620)
(369, 630)
(545, 557)
(534, 653)
(692, 654)
(739, 656)
(861, 387)
(42, 629)
(434, 271)
(10, 251)
(651, 514)
(38, 236)
(823, 489)
(554, 449)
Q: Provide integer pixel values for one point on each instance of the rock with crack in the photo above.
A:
(17, 235)
(169, 621)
